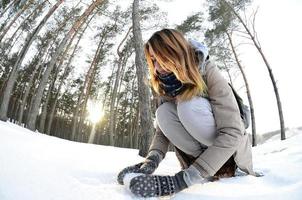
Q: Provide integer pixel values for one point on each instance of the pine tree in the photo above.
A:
(13, 75)
(70, 35)
(146, 125)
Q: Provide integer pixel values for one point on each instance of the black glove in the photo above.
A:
(146, 167)
(156, 186)
(150, 165)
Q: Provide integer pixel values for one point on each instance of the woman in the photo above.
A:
(198, 115)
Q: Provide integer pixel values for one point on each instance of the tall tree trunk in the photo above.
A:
(29, 85)
(90, 78)
(76, 117)
(114, 90)
(13, 105)
(112, 111)
(137, 129)
(228, 72)
(25, 96)
(13, 75)
(92, 134)
(282, 126)
(74, 29)
(131, 118)
(43, 114)
(18, 95)
(248, 91)
(146, 127)
(45, 106)
(12, 43)
(118, 98)
(5, 30)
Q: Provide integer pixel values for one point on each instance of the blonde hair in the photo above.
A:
(174, 54)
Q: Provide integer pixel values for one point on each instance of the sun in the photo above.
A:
(95, 111)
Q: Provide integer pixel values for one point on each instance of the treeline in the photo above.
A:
(56, 56)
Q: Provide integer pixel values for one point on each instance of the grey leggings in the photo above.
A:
(189, 125)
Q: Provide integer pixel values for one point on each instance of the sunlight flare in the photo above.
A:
(95, 111)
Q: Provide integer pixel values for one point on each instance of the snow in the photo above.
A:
(35, 166)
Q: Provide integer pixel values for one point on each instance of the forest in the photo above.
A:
(76, 69)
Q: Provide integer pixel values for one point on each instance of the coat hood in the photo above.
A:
(202, 52)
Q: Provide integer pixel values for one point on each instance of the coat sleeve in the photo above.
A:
(159, 142)
(229, 125)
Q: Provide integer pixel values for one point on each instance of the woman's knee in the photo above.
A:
(197, 117)
(197, 105)
(165, 112)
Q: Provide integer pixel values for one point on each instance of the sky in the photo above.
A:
(280, 37)
(36, 166)
(279, 30)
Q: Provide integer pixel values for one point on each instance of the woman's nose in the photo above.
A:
(159, 69)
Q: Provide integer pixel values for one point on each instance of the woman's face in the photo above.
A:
(158, 68)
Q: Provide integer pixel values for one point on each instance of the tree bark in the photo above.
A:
(146, 127)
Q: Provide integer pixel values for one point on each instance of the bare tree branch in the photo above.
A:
(244, 43)
(242, 32)
(254, 21)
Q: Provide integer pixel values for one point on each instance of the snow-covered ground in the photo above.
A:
(34, 166)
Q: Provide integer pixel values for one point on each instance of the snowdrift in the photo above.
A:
(35, 166)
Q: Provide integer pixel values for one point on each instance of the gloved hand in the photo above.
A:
(147, 167)
(157, 186)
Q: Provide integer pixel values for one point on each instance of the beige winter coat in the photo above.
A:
(231, 140)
